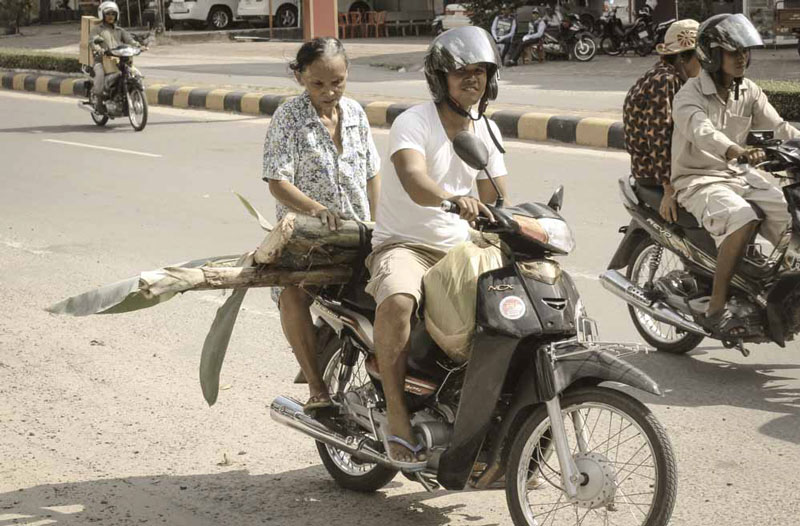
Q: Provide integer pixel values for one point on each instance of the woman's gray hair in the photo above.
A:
(316, 49)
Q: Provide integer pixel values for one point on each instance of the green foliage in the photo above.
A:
(27, 59)
(694, 9)
(784, 95)
(14, 12)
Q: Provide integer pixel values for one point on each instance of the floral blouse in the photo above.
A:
(299, 149)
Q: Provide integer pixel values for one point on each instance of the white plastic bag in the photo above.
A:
(451, 287)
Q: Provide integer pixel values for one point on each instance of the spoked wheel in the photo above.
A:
(137, 109)
(611, 46)
(348, 472)
(662, 336)
(621, 451)
(584, 49)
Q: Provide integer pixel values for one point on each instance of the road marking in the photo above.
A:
(119, 150)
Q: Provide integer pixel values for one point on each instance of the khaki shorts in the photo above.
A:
(722, 208)
(398, 268)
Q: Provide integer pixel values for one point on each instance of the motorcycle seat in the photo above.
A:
(651, 196)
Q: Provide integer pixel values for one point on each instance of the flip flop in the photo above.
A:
(411, 467)
(317, 403)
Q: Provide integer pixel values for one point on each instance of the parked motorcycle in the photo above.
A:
(618, 40)
(570, 39)
(670, 268)
(124, 90)
(526, 406)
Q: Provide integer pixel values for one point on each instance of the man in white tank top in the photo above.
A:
(412, 232)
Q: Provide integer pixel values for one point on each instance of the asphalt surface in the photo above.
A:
(102, 420)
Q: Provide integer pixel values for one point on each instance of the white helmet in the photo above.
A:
(108, 5)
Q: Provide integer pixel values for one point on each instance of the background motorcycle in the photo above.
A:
(618, 39)
(570, 39)
(670, 268)
(527, 405)
(124, 90)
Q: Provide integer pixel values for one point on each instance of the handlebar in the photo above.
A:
(453, 208)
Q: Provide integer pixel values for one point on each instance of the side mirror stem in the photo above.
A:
(500, 198)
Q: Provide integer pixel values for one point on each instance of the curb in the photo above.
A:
(191, 37)
(529, 126)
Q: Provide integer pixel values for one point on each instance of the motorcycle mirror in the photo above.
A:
(471, 150)
(557, 199)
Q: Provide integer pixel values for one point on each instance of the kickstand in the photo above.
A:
(738, 345)
(429, 485)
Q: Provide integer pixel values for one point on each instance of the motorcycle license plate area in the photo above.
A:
(642, 34)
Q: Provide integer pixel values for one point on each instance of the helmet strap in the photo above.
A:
(456, 107)
(736, 83)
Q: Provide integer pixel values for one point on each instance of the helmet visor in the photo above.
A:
(463, 46)
(737, 32)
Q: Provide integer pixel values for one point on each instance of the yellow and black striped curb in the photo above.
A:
(585, 131)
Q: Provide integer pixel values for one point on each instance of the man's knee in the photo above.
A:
(295, 299)
(394, 313)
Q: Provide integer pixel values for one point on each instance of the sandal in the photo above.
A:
(724, 325)
(412, 467)
(317, 403)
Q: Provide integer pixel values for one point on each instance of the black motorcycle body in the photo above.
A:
(124, 94)
(639, 36)
(570, 39)
(765, 290)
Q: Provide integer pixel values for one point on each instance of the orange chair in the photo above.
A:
(343, 25)
(377, 20)
(356, 22)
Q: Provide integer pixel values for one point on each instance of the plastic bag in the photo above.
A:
(451, 295)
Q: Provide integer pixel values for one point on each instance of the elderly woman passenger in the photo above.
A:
(319, 160)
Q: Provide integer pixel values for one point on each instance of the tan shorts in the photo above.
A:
(398, 268)
(722, 208)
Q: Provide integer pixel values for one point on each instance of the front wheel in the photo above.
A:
(584, 49)
(286, 16)
(137, 109)
(621, 450)
(662, 336)
(350, 473)
(99, 118)
(219, 18)
(611, 46)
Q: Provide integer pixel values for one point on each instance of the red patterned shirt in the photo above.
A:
(647, 117)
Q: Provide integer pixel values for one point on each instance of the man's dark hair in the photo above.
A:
(685, 56)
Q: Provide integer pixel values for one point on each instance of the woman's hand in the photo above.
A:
(328, 218)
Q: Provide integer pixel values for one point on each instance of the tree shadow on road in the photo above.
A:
(306, 497)
(692, 382)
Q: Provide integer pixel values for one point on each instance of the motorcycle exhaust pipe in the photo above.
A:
(618, 285)
(289, 412)
(84, 106)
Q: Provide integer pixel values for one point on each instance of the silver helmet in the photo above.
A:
(728, 32)
(455, 49)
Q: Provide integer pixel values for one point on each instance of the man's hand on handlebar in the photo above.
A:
(469, 208)
(751, 156)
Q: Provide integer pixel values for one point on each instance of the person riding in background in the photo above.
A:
(504, 27)
(102, 40)
(713, 116)
(319, 160)
(536, 28)
(647, 112)
(412, 232)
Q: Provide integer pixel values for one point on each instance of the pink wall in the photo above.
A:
(320, 19)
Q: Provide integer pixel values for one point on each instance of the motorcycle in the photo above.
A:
(618, 40)
(670, 267)
(570, 39)
(124, 90)
(526, 408)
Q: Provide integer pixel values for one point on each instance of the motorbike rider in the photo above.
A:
(713, 115)
(504, 27)
(647, 112)
(102, 40)
(536, 29)
(412, 232)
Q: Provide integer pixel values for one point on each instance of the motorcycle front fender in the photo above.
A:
(634, 233)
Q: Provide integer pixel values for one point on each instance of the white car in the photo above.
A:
(219, 14)
(455, 15)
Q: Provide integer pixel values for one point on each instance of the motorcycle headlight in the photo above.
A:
(547, 230)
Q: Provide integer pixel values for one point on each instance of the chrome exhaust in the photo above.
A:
(618, 285)
(289, 412)
(86, 106)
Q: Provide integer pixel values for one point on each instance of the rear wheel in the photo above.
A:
(662, 336)
(99, 119)
(350, 473)
(219, 18)
(286, 16)
(137, 109)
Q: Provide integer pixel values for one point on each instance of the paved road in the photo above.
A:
(102, 420)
